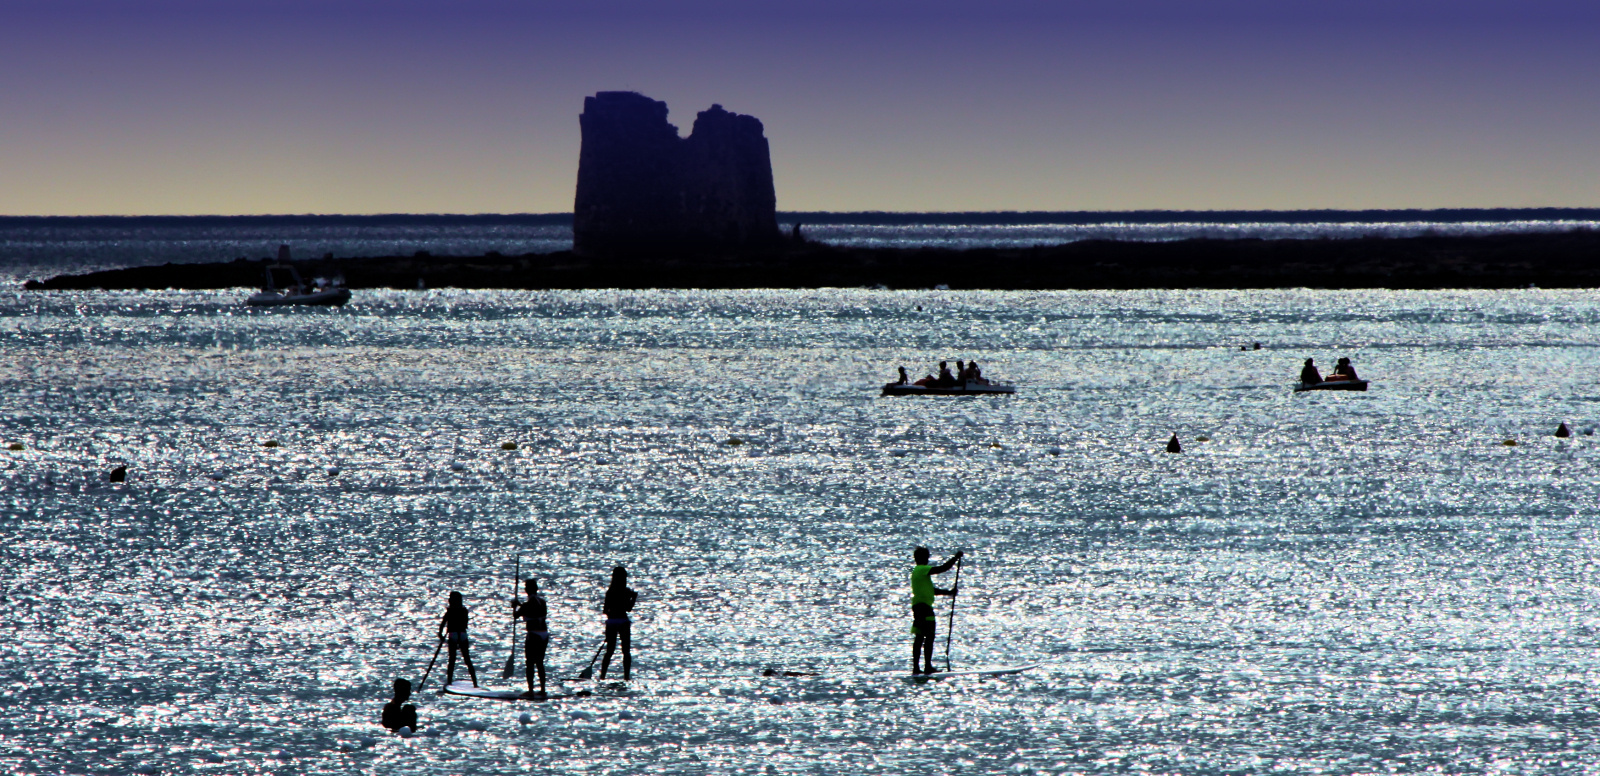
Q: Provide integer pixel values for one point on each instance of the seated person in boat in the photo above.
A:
(1342, 371)
(904, 378)
(1309, 374)
(974, 374)
(946, 380)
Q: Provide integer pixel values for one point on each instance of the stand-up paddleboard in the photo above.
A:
(465, 689)
(980, 671)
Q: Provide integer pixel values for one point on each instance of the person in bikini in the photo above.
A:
(923, 622)
(619, 601)
(532, 613)
(453, 631)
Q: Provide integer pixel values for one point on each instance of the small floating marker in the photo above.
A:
(525, 718)
(271, 443)
(457, 466)
(118, 474)
(405, 732)
(333, 471)
(1510, 443)
(1202, 438)
(508, 446)
(1173, 446)
(15, 446)
(1258, 346)
(994, 445)
(1055, 451)
(734, 442)
(1562, 431)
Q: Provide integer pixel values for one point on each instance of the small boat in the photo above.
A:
(1333, 385)
(968, 388)
(296, 292)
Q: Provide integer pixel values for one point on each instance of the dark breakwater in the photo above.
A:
(1553, 260)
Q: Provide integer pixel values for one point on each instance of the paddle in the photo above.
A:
(588, 672)
(511, 659)
(431, 662)
(950, 625)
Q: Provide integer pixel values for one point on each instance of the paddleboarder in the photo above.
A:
(923, 622)
(619, 601)
(453, 631)
(397, 713)
(537, 641)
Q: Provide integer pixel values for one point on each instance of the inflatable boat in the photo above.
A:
(969, 388)
(297, 292)
(1334, 385)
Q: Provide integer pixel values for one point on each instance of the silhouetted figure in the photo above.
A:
(1309, 374)
(904, 378)
(795, 235)
(923, 622)
(537, 641)
(975, 374)
(1342, 371)
(961, 371)
(1562, 431)
(453, 629)
(619, 601)
(1173, 446)
(118, 474)
(397, 713)
(945, 379)
(1258, 346)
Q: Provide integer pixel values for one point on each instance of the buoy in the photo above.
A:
(118, 474)
(1510, 443)
(1173, 446)
(1258, 346)
(525, 718)
(457, 466)
(333, 471)
(1055, 451)
(404, 732)
(509, 446)
(1202, 438)
(270, 443)
(734, 441)
(1562, 431)
(14, 446)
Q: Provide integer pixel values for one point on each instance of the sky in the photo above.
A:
(134, 107)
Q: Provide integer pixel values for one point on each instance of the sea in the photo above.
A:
(1397, 581)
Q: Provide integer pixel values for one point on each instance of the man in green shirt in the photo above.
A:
(923, 622)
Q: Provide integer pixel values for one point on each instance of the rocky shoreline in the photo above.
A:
(1551, 260)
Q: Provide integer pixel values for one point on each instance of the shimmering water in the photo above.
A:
(1339, 583)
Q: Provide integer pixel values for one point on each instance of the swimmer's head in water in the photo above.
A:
(921, 554)
(402, 689)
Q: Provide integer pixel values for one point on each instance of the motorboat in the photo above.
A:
(296, 292)
(966, 388)
(1333, 385)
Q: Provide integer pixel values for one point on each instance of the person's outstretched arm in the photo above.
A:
(947, 565)
(942, 591)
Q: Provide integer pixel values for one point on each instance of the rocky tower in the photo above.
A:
(644, 191)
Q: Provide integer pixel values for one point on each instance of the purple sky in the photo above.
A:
(350, 106)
